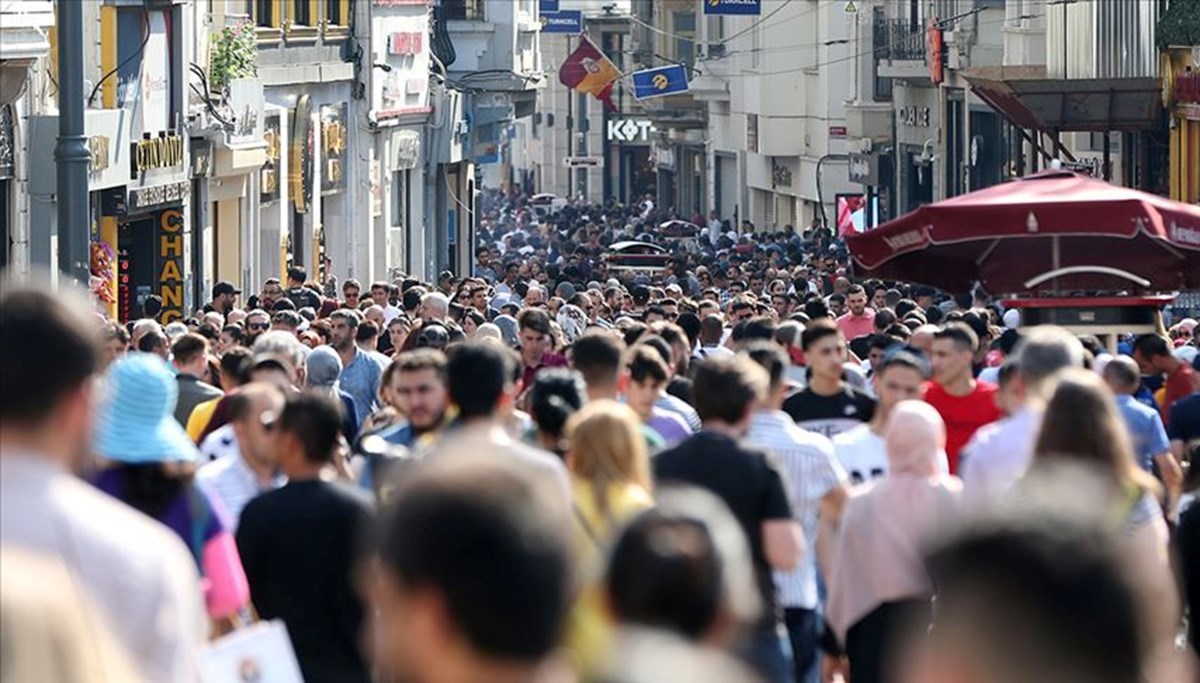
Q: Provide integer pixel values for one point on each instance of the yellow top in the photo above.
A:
(590, 627)
(200, 417)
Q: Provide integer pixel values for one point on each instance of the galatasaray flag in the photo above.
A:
(588, 70)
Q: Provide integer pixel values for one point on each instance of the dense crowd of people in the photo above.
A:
(743, 466)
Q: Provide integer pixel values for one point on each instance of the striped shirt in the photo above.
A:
(811, 471)
(231, 481)
(674, 404)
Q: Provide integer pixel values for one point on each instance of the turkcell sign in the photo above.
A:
(663, 80)
(733, 7)
(547, 6)
(566, 21)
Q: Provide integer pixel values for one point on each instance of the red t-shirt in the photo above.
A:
(962, 414)
(1179, 385)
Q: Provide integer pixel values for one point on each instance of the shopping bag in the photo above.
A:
(259, 653)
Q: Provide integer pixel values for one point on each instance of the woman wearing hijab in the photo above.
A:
(152, 462)
(877, 579)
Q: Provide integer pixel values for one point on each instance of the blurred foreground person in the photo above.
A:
(1031, 594)
(1082, 427)
(999, 453)
(556, 395)
(878, 587)
(473, 572)
(138, 573)
(681, 585)
(150, 467)
(728, 391)
(49, 632)
(299, 544)
(610, 480)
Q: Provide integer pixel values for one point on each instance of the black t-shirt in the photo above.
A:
(303, 296)
(298, 546)
(750, 483)
(830, 415)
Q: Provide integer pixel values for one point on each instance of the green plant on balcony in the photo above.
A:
(1179, 25)
(234, 53)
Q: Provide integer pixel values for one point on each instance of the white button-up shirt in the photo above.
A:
(998, 455)
(231, 481)
(810, 471)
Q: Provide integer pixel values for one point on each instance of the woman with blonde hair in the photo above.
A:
(1083, 428)
(611, 483)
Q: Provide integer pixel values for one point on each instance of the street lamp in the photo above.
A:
(71, 153)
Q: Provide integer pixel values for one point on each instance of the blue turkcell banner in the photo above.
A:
(566, 21)
(664, 80)
(753, 7)
(547, 6)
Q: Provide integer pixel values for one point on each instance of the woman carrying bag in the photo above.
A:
(150, 463)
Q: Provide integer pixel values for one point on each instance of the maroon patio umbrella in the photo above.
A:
(1053, 230)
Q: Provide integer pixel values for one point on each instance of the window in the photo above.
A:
(303, 12)
(752, 132)
(267, 13)
(685, 37)
(337, 12)
(464, 10)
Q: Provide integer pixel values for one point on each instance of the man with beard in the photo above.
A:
(416, 383)
(361, 372)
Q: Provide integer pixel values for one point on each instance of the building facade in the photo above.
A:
(776, 87)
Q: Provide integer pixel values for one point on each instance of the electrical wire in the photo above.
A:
(145, 39)
(873, 50)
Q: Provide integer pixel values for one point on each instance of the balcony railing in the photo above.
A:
(898, 39)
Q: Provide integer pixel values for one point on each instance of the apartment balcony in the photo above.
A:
(900, 49)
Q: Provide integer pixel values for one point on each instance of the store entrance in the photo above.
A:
(135, 265)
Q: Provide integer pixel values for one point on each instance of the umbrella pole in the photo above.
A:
(1056, 258)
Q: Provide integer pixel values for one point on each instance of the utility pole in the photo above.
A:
(71, 153)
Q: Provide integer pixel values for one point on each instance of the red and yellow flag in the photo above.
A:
(588, 70)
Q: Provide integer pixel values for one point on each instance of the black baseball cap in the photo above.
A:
(224, 287)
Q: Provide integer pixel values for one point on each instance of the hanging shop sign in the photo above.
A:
(301, 157)
(333, 148)
(406, 150)
(153, 153)
(563, 21)
(202, 157)
(269, 175)
(869, 168)
(664, 80)
(743, 7)
(170, 264)
(247, 103)
(99, 152)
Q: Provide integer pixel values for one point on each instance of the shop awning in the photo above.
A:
(1028, 98)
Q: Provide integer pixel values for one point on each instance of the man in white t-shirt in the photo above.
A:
(861, 450)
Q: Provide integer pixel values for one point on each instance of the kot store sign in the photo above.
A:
(629, 130)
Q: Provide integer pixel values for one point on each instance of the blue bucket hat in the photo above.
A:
(135, 421)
